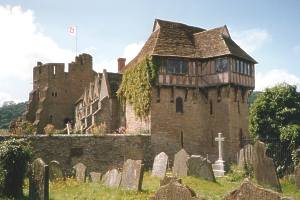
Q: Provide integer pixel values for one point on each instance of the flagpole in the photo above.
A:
(76, 39)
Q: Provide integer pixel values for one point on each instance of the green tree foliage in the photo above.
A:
(10, 111)
(253, 97)
(14, 157)
(275, 119)
(136, 86)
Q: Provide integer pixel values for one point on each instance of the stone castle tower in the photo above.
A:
(55, 91)
(203, 83)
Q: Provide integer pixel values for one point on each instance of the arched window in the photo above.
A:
(50, 119)
(179, 105)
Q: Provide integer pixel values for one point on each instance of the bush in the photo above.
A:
(238, 173)
(49, 129)
(99, 129)
(14, 157)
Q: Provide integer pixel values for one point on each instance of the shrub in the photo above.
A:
(99, 129)
(49, 129)
(28, 128)
(14, 157)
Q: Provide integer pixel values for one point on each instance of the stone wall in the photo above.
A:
(205, 114)
(98, 153)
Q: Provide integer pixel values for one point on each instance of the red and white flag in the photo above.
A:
(72, 30)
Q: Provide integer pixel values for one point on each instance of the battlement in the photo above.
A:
(49, 71)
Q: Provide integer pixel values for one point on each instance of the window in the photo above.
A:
(221, 65)
(54, 70)
(175, 66)
(50, 119)
(237, 66)
(179, 105)
(211, 107)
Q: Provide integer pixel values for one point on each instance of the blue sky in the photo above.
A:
(37, 30)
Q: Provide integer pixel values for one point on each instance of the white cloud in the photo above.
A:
(273, 77)
(4, 97)
(252, 39)
(22, 44)
(129, 52)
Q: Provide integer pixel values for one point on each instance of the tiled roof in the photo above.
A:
(180, 40)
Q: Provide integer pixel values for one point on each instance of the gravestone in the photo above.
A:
(39, 180)
(112, 178)
(55, 171)
(95, 177)
(132, 174)
(297, 176)
(180, 163)
(249, 191)
(80, 172)
(175, 191)
(200, 167)
(160, 165)
(264, 169)
(245, 156)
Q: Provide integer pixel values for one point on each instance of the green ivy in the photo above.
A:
(136, 86)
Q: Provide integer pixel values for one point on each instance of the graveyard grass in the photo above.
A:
(71, 189)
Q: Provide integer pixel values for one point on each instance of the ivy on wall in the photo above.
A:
(136, 86)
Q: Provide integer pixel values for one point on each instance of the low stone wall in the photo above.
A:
(98, 153)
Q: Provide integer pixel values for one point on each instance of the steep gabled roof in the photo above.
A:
(181, 40)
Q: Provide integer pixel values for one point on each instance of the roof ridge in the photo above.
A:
(178, 23)
(209, 30)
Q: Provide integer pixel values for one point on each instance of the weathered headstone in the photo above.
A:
(55, 171)
(249, 191)
(39, 180)
(264, 169)
(200, 167)
(245, 155)
(112, 178)
(95, 177)
(297, 176)
(160, 165)
(180, 163)
(175, 191)
(80, 172)
(132, 174)
(218, 166)
(168, 179)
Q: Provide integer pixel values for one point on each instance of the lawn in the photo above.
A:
(71, 189)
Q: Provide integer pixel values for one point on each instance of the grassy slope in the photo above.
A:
(70, 189)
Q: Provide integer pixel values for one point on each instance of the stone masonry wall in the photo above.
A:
(98, 153)
(198, 123)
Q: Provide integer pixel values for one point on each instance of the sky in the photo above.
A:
(32, 31)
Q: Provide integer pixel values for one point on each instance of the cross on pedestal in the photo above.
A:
(220, 139)
(68, 128)
(218, 166)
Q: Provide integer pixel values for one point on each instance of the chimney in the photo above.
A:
(121, 64)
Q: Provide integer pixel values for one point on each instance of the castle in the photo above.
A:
(203, 79)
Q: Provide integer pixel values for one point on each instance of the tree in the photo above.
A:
(275, 119)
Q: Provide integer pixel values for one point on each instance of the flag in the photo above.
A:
(72, 30)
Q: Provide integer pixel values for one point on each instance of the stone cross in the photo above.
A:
(220, 139)
(218, 166)
(68, 128)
